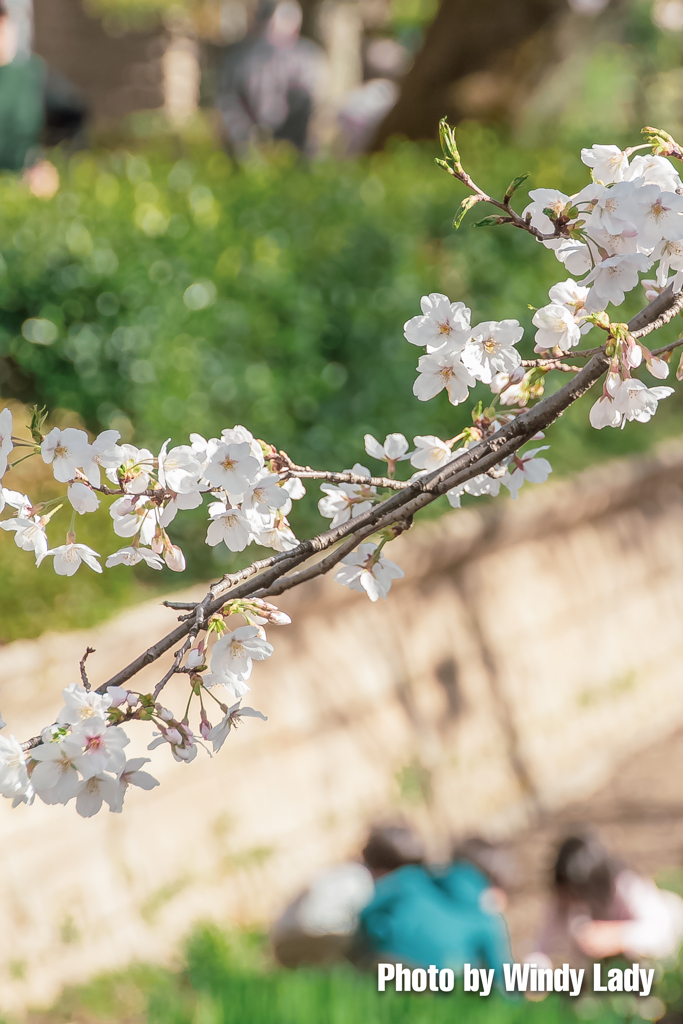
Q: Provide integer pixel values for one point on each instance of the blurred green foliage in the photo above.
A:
(166, 291)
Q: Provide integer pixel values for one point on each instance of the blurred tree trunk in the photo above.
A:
(480, 58)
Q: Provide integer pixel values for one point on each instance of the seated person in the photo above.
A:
(319, 926)
(600, 908)
(442, 916)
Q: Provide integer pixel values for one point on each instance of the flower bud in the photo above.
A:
(173, 737)
(118, 695)
(164, 714)
(174, 558)
(658, 367)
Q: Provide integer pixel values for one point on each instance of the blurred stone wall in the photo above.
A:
(530, 648)
(116, 74)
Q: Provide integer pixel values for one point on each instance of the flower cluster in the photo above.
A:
(80, 758)
(250, 504)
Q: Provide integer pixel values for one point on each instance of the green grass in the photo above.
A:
(226, 978)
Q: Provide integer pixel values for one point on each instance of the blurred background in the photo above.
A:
(223, 212)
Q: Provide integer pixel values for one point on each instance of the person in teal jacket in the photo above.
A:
(421, 916)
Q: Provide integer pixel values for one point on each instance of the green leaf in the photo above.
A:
(488, 222)
(442, 163)
(38, 418)
(448, 143)
(465, 205)
(515, 184)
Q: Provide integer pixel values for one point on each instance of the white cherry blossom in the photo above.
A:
(570, 294)
(134, 470)
(482, 485)
(635, 401)
(441, 321)
(545, 199)
(131, 775)
(527, 467)
(608, 163)
(80, 705)
(219, 733)
(105, 453)
(239, 435)
(605, 413)
(443, 369)
(455, 495)
(179, 469)
(17, 500)
(660, 216)
(55, 778)
(229, 526)
(366, 571)
(556, 328)
(616, 209)
(670, 256)
(13, 775)
(430, 452)
(394, 449)
(131, 516)
(6, 444)
(653, 170)
(294, 487)
(265, 494)
(82, 497)
(134, 555)
(233, 467)
(29, 535)
(233, 655)
(101, 747)
(614, 277)
(491, 348)
(276, 534)
(96, 790)
(574, 254)
(178, 503)
(67, 451)
(345, 501)
(68, 557)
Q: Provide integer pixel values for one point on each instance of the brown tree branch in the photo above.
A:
(268, 577)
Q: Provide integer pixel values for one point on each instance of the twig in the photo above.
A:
(84, 674)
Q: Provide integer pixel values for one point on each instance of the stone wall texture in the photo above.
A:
(530, 649)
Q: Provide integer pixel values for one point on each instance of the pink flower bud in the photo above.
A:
(132, 699)
(174, 558)
(173, 737)
(658, 367)
(634, 355)
(165, 715)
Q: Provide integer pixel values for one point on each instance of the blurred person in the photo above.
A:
(35, 103)
(600, 908)
(269, 81)
(366, 106)
(446, 916)
(320, 925)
